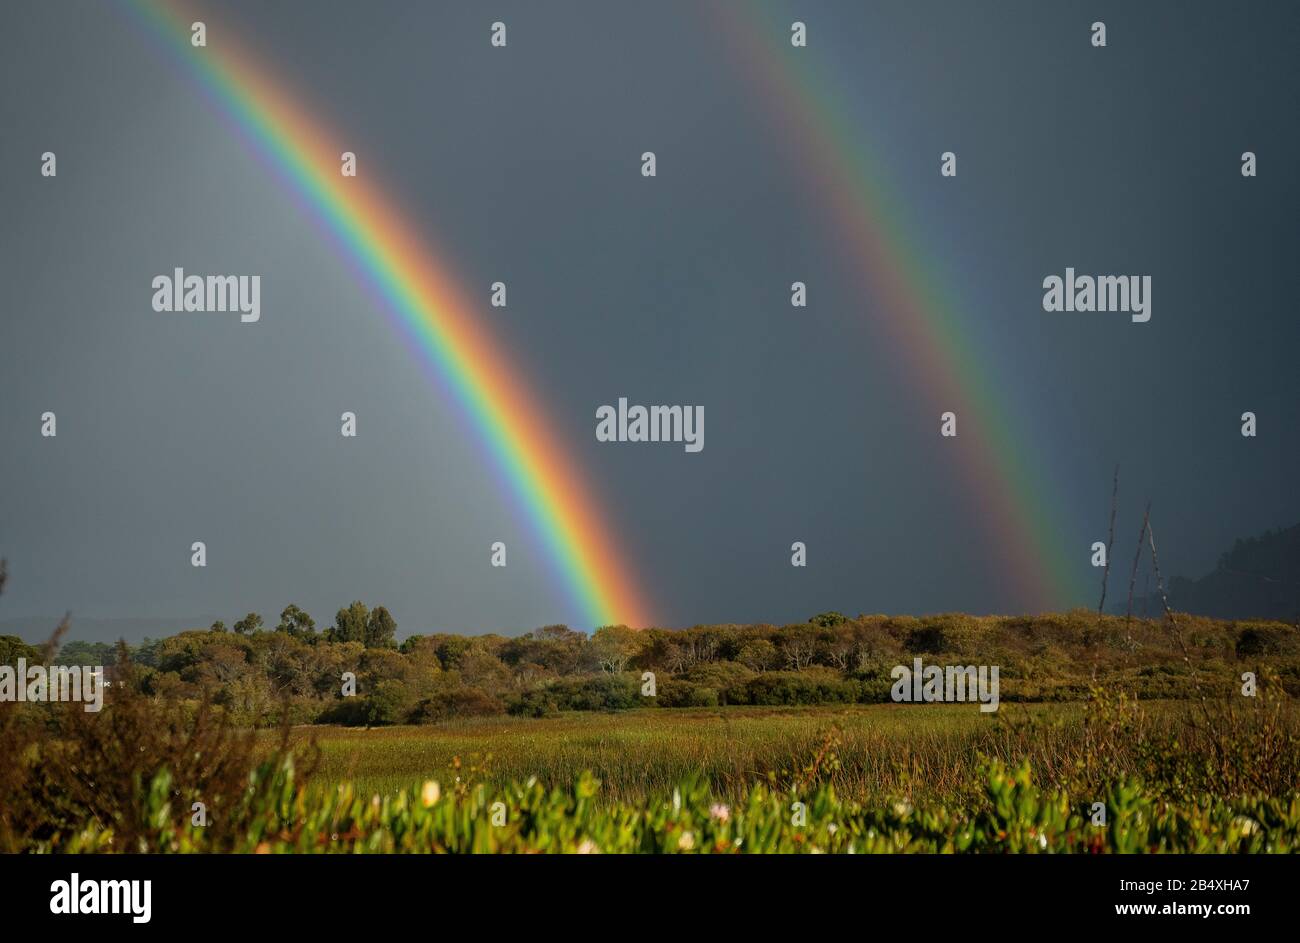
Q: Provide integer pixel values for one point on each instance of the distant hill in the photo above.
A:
(1259, 578)
(37, 629)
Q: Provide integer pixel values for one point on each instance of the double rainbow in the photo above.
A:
(431, 308)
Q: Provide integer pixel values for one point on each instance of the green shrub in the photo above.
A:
(927, 640)
(1266, 640)
(728, 682)
(679, 693)
(282, 814)
(456, 702)
(604, 693)
(539, 702)
(810, 686)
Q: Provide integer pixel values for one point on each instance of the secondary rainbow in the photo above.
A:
(429, 306)
(923, 323)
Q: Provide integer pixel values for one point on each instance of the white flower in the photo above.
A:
(430, 793)
(1247, 826)
(720, 812)
(686, 842)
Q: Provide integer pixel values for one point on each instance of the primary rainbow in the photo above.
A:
(923, 323)
(421, 295)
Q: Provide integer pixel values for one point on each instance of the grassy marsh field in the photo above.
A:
(1169, 776)
(867, 752)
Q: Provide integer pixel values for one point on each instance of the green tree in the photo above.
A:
(758, 654)
(249, 624)
(389, 703)
(613, 646)
(295, 622)
(556, 648)
(350, 623)
(449, 648)
(12, 648)
(87, 654)
(381, 629)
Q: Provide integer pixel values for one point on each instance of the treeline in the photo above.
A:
(1258, 578)
(355, 672)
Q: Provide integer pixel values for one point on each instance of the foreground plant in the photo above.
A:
(282, 815)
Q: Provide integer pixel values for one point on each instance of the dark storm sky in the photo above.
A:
(523, 165)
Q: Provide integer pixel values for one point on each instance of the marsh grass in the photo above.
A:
(926, 752)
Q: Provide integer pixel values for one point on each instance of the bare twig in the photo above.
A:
(1160, 584)
(1164, 599)
(1110, 541)
(51, 646)
(1132, 582)
(1178, 637)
